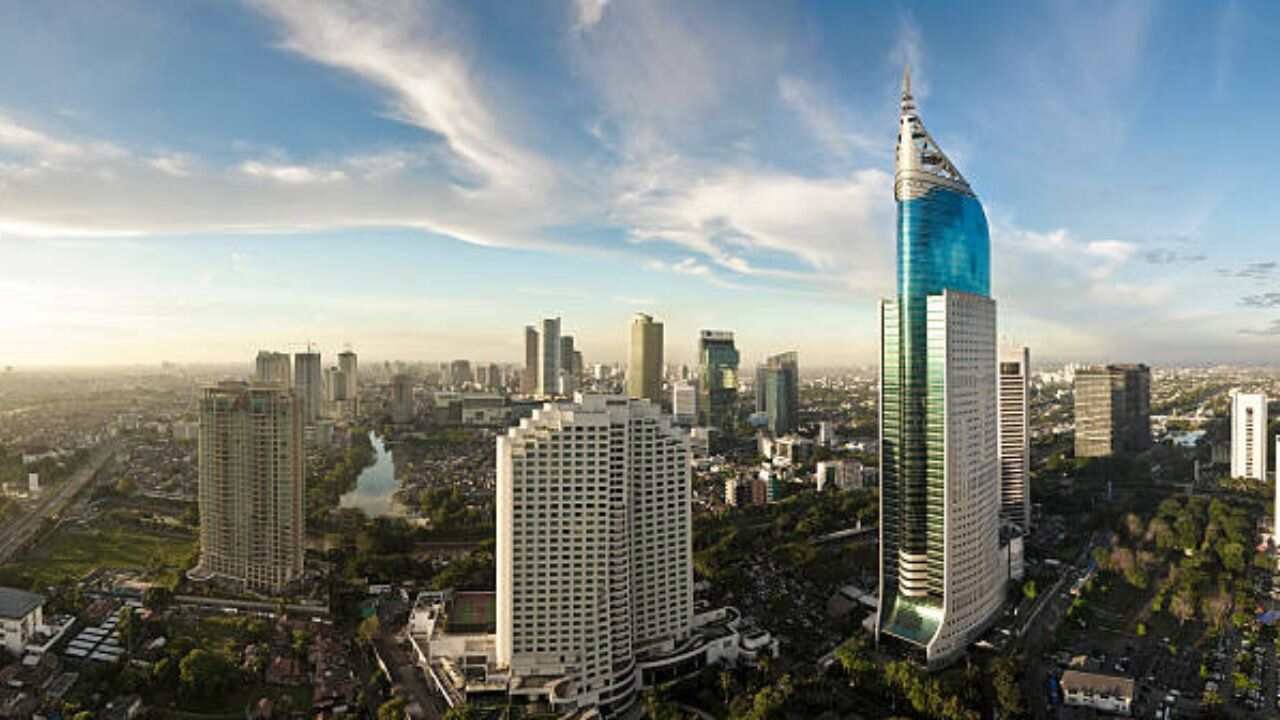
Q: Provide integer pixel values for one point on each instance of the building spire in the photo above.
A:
(906, 80)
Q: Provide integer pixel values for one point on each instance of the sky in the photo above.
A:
(194, 181)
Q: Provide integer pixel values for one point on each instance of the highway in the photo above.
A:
(53, 501)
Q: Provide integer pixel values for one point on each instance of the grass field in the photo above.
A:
(73, 551)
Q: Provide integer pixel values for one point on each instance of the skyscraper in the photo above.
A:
(273, 367)
(684, 403)
(1249, 436)
(308, 375)
(778, 392)
(529, 376)
(250, 486)
(594, 556)
(941, 583)
(349, 365)
(566, 355)
(460, 372)
(718, 379)
(549, 357)
(644, 370)
(402, 408)
(1015, 437)
(1112, 410)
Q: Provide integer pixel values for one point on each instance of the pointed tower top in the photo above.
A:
(906, 80)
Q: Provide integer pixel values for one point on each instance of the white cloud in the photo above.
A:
(589, 12)
(291, 174)
(171, 164)
(16, 227)
(822, 119)
(402, 50)
(23, 138)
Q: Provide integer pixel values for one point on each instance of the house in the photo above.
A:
(1107, 693)
(21, 613)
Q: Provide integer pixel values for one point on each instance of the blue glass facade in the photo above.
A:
(943, 244)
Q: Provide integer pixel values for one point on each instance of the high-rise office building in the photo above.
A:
(684, 403)
(402, 407)
(460, 372)
(778, 392)
(336, 385)
(567, 354)
(941, 582)
(644, 370)
(347, 362)
(1015, 437)
(1112, 410)
(250, 486)
(549, 357)
(1249, 436)
(273, 367)
(529, 376)
(718, 379)
(594, 555)
(308, 377)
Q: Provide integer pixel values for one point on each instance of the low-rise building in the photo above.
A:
(21, 616)
(1108, 693)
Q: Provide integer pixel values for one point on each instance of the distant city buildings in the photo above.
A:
(644, 370)
(586, 589)
(942, 575)
(529, 375)
(402, 404)
(718, 380)
(1249, 435)
(1015, 437)
(250, 486)
(549, 357)
(460, 373)
(308, 375)
(273, 367)
(1112, 410)
(778, 392)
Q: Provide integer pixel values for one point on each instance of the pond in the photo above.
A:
(376, 487)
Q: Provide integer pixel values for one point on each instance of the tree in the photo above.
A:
(127, 627)
(1004, 678)
(392, 709)
(854, 659)
(726, 686)
(461, 712)
(204, 674)
(368, 629)
(1029, 589)
(1183, 605)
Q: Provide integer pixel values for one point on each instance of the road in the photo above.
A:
(54, 500)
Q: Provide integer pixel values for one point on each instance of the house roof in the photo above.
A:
(1095, 684)
(16, 604)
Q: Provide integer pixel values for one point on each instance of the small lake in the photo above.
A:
(376, 486)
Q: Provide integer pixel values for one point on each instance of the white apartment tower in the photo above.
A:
(1249, 435)
(549, 361)
(1015, 437)
(251, 488)
(594, 548)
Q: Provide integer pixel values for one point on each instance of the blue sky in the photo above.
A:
(194, 181)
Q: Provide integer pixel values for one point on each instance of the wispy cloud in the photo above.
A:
(1258, 270)
(172, 164)
(589, 12)
(291, 174)
(1262, 300)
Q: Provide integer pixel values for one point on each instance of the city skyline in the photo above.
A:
(441, 177)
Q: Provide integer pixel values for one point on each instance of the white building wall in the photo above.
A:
(1249, 435)
(1015, 436)
(963, 327)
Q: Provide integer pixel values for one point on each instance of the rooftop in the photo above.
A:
(16, 604)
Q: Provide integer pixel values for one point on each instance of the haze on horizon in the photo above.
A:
(194, 182)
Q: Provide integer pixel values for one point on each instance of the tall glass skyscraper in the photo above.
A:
(718, 379)
(940, 579)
